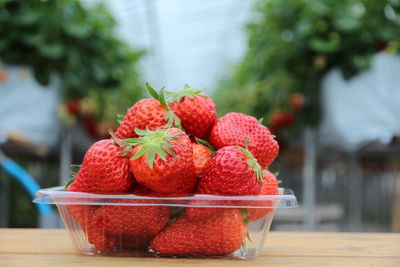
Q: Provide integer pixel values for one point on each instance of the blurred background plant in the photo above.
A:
(77, 43)
(292, 44)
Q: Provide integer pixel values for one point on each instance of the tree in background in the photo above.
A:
(293, 44)
(79, 44)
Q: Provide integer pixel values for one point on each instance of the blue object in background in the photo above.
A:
(26, 180)
(47, 217)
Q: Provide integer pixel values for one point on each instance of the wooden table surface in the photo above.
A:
(52, 247)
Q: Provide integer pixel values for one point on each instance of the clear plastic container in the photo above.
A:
(127, 224)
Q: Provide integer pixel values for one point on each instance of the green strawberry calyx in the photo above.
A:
(185, 91)
(170, 117)
(252, 161)
(120, 118)
(207, 145)
(126, 149)
(245, 215)
(153, 143)
(74, 172)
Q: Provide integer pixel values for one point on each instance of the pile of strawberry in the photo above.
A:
(169, 145)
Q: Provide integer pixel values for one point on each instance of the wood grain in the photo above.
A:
(39, 247)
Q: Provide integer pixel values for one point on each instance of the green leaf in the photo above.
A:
(246, 142)
(260, 120)
(120, 118)
(187, 91)
(152, 91)
(53, 51)
(70, 181)
(76, 166)
(169, 150)
(162, 98)
(27, 18)
(140, 153)
(42, 76)
(172, 120)
(79, 31)
(206, 144)
(253, 163)
(141, 132)
(347, 24)
(323, 46)
(154, 143)
(245, 215)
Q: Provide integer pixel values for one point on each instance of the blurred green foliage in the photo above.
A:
(293, 43)
(78, 42)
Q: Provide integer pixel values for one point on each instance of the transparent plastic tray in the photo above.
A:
(95, 229)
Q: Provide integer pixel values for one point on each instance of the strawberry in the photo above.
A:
(162, 161)
(201, 156)
(147, 114)
(234, 128)
(73, 107)
(82, 214)
(270, 187)
(196, 112)
(221, 234)
(102, 241)
(141, 221)
(297, 101)
(200, 213)
(281, 119)
(231, 171)
(105, 169)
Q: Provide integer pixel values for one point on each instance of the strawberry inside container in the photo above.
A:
(154, 225)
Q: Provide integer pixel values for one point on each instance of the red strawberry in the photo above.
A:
(148, 113)
(221, 234)
(141, 221)
(199, 213)
(145, 113)
(234, 128)
(102, 241)
(281, 119)
(297, 101)
(270, 187)
(196, 112)
(73, 107)
(163, 161)
(201, 156)
(82, 214)
(104, 170)
(231, 171)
